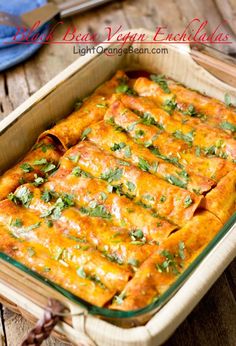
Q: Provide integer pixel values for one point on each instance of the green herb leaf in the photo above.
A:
(228, 100)
(169, 105)
(16, 223)
(131, 126)
(225, 125)
(139, 134)
(187, 202)
(47, 196)
(148, 197)
(23, 195)
(118, 146)
(137, 234)
(163, 199)
(30, 251)
(74, 158)
(112, 175)
(188, 137)
(78, 172)
(81, 273)
(38, 180)
(119, 299)
(96, 211)
(49, 167)
(133, 262)
(32, 227)
(160, 79)
(173, 160)
(143, 165)
(181, 250)
(85, 133)
(169, 265)
(175, 181)
(101, 105)
(40, 162)
(131, 186)
(127, 151)
(125, 89)
(103, 196)
(198, 151)
(26, 167)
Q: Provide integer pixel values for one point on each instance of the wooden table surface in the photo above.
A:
(213, 321)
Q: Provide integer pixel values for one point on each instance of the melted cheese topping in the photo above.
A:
(114, 202)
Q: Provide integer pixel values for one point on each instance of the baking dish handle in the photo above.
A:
(45, 325)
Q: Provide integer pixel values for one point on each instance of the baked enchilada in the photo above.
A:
(115, 201)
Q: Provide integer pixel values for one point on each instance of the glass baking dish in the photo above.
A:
(66, 80)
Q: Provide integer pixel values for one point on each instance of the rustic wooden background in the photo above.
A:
(213, 321)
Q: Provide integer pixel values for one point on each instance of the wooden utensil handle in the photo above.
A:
(72, 7)
(45, 325)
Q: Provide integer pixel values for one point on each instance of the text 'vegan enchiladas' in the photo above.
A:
(114, 202)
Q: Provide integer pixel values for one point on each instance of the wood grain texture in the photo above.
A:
(213, 321)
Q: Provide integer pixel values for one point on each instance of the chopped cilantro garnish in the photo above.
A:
(16, 223)
(123, 163)
(34, 226)
(181, 250)
(169, 265)
(163, 199)
(112, 174)
(143, 165)
(160, 79)
(40, 162)
(133, 262)
(175, 181)
(228, 100)
(188, 137)
(22, 195)
(148, 197)
(81, 273)
(183, 174)
(78, 172)
(125, 89)
(147, 119)
(101, 105)
(169, 105)
(118, 146)
(187, 202)
(137, 237)
(127, 151)
(85, 133)
(103, 196)
(119, 299)
(48, 167)
(131, 126)
(173, 160)
(131, 186)
(198, 151)
(38, 180)
(30, 251)
(26, 167)
(139, 134)
(46, 269)
(225, 125)
(74, 158)
(47, 196)
(96, 210)
(63, 201)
